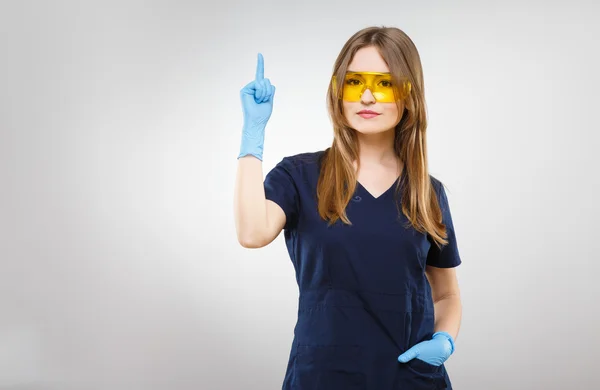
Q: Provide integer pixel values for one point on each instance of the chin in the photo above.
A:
(374, 128)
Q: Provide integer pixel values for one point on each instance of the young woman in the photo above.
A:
(368, 229)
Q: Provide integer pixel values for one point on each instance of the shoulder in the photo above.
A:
(435, 182)
(440, 192)
(437, 185)
(303, 165)
(298, 170)
(305, 160)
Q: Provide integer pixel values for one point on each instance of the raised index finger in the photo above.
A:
(260, 67)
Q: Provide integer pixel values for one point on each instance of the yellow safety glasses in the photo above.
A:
(381, 85)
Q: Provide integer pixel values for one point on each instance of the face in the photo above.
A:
(386, 118)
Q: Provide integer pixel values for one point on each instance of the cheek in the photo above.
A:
(391, 113)
(391, 110)
(348, 108)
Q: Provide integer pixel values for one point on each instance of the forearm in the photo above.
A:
(448, 313)
(249, 199)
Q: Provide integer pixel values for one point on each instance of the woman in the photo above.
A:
(368, 229)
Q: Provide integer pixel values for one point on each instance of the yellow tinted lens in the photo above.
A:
(381, 86)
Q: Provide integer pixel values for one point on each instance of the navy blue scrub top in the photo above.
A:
(364, 298)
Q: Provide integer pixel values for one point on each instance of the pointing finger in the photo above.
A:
(260, 67)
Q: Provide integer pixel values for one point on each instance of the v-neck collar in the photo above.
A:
(384, 193)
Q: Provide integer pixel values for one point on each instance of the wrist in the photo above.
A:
(445, 336)
(247, 151)
(252, 141)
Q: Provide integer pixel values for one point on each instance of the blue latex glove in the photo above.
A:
(435, 351)
(257, 105)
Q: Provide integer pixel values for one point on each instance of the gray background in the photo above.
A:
(120, 126)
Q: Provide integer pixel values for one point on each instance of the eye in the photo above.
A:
(386, 83)
(353, 81)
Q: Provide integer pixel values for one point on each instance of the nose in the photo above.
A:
(367, 96)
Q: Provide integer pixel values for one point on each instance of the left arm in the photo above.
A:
(441, 274)
(446, 299)
(448, 311)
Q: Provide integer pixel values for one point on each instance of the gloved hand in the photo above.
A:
(435, 351)
(257, 105)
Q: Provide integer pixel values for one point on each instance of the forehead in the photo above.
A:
(368, 59)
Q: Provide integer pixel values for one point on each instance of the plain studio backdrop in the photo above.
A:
(120, 127)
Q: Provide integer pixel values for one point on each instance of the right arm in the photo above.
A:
(258, 221)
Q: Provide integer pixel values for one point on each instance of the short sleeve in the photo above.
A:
(280, 187)
(447, 256)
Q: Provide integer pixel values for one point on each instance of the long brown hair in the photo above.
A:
(337, 180)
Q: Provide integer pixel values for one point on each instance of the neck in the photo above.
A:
(377, 149)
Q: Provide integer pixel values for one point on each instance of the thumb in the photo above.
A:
(409, 355)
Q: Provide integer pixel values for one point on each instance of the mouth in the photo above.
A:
(368, 113)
